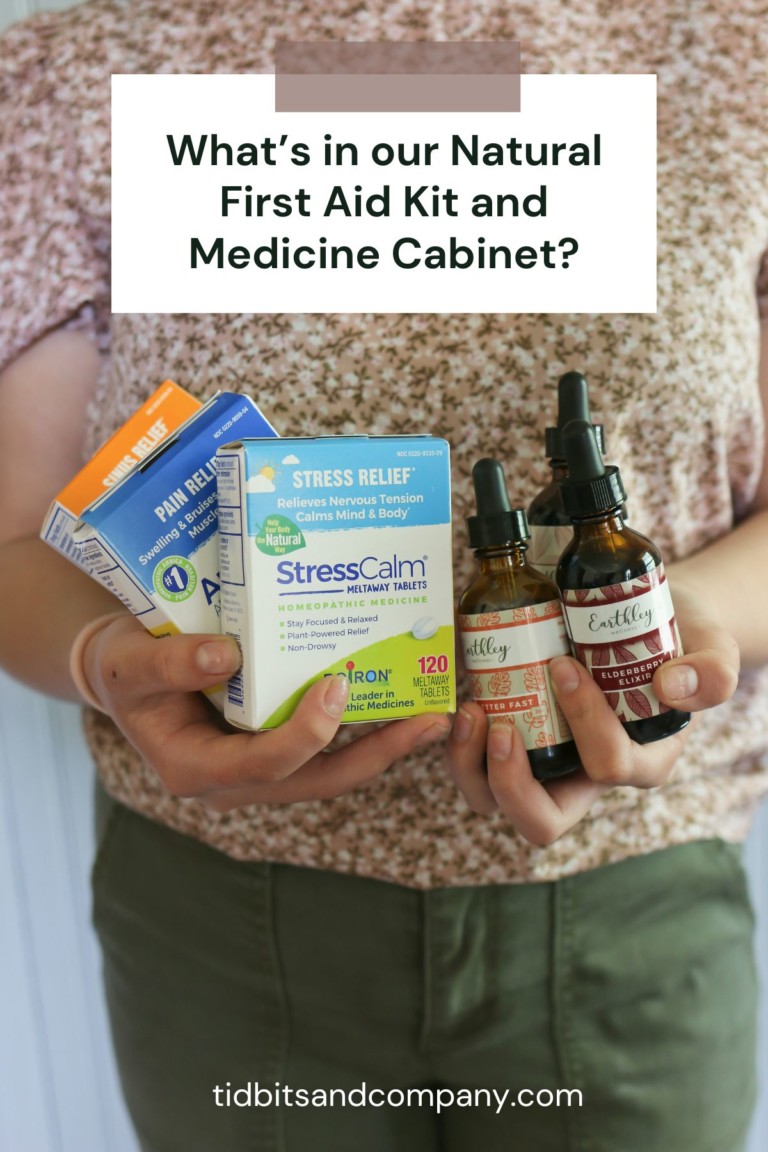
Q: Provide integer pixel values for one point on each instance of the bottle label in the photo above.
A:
(548, 542)
(621, 633)
(506, 655)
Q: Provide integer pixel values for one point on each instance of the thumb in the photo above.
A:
(125, 661)
(705, 676)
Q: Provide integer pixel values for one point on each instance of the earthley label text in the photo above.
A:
(486, 646)
(623, 618)
(630, 618)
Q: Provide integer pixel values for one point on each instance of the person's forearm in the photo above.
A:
(44, 603)
(729, 576)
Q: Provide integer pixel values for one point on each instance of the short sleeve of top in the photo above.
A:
(53, 269)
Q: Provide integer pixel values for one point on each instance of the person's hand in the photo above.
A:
(705, 676)
(151, 689)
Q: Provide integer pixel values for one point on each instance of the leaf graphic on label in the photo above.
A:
(534, 719)
(499, 684)
(622, 655)
(519, 615)
(544, 739)
(653, 642)
(601, 656)
(533, 678)
(664, 707)
(639, 703)
(613, 699)
(475, 686)
(488, 619)
(465, 621)
(581, 595)
(613, 593)
(648, 578)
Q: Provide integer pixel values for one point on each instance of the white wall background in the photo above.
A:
(58, 1087)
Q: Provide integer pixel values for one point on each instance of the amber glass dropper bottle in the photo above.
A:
(616, 598)
(511, 626)
(550, 524)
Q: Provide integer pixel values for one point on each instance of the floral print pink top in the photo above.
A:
(678, 387)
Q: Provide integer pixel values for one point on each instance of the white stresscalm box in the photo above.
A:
(336, 558)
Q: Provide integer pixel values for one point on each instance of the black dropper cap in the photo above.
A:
(591, 487)
(496, 522)
(572, 404)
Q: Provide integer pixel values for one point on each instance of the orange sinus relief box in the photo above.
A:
(164, 411)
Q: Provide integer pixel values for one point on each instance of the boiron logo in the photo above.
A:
(364, 676)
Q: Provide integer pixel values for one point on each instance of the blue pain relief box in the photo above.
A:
(152, 539)
(336, 558)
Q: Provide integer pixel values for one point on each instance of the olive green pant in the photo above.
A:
(633, 986)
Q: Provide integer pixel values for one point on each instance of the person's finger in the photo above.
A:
(703, 677)
(541, 814)
(195, 758)
(604, 748)
(606, 751)
(326, 776)
(708, 673)
(126, 663)
(466, 758)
